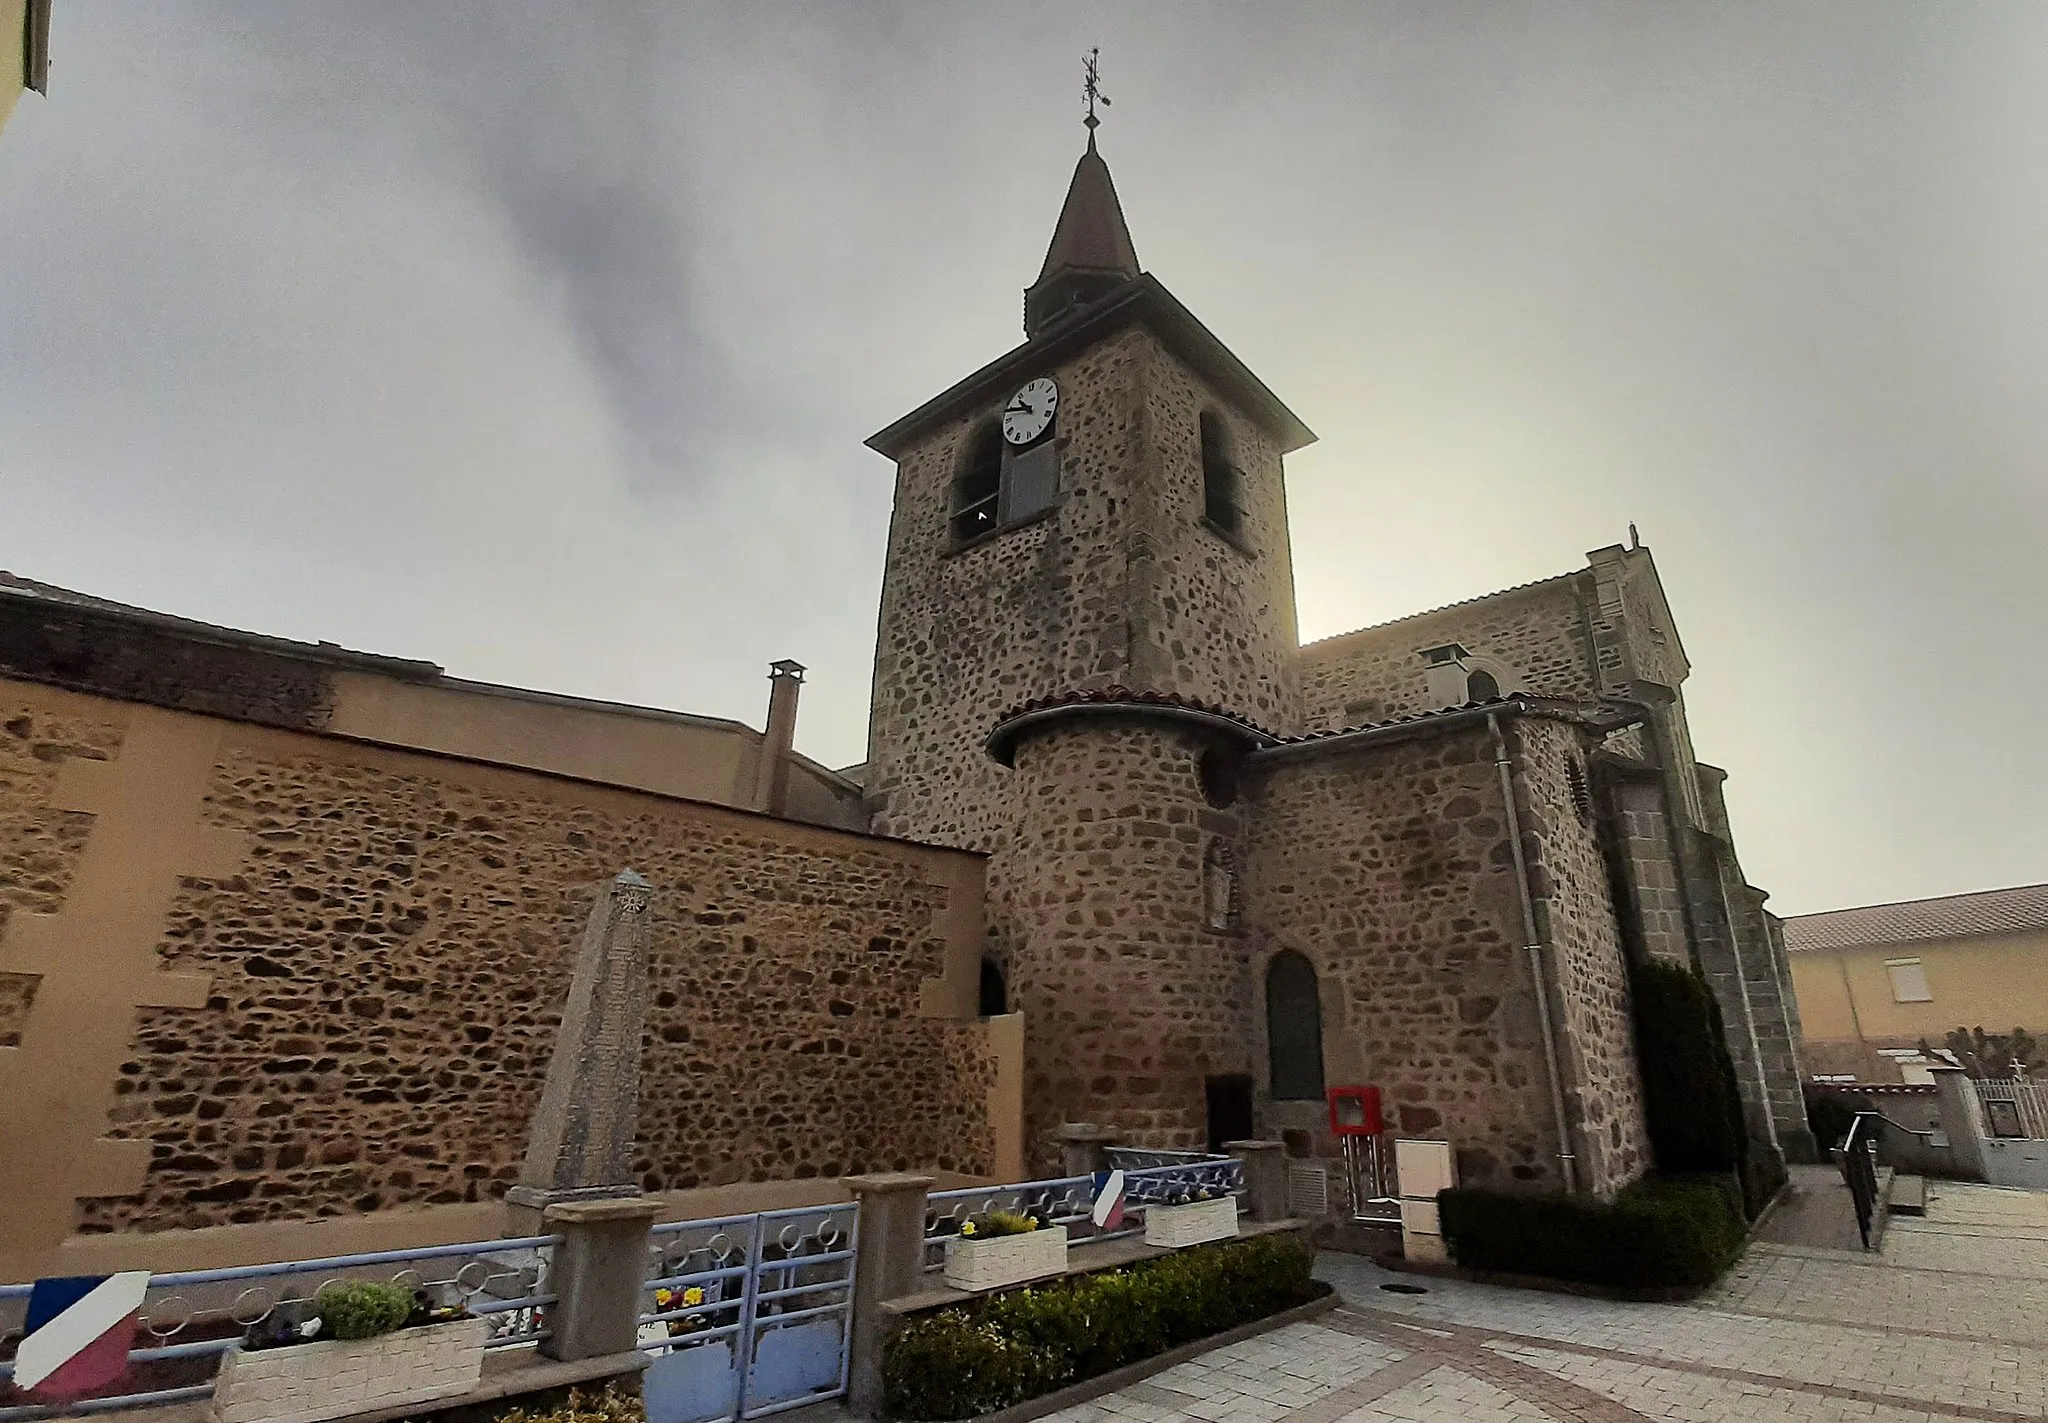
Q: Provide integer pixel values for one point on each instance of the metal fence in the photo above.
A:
(1066, 1201)
(749, 1315)
(2012, 1108)
(191, 1317)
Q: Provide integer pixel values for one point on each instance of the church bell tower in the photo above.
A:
(1087, 611)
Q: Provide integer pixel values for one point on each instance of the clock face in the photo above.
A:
(1030, 410)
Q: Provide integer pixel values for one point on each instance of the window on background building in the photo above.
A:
(978, 488)
(1909, 981)
(1220, 492)
(1294, 1029)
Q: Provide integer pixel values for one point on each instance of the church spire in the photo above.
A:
(1091, 250)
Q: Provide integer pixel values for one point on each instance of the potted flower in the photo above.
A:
(360, 1346)
(1209, 1214)
(667, 1300)
(1004, 1248)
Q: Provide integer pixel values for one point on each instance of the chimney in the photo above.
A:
(1444, 670)
(771, 773)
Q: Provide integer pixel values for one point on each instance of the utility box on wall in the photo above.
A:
(1423, 1168)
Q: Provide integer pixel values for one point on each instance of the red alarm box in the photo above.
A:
(1355, 1111)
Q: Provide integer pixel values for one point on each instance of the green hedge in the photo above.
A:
(976, 1358)
(1689, 1094)
(1661, 1232)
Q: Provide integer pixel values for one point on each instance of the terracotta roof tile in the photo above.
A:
(1991, 911)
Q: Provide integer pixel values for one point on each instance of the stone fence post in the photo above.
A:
(1265, 1177)
(1083, 1147)
(598, 1276)
(888, 1263)
(1960, 1120)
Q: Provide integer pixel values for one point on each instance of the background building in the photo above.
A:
(1874, 982)
(24, 51)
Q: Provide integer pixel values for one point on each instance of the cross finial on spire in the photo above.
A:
(1091, 89)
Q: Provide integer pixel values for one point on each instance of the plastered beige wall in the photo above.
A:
(13, 33)
(1996, 982)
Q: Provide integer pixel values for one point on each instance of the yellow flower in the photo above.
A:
(968, 1228)
(664, 1298)
(693, 1296)
(1031, 1222)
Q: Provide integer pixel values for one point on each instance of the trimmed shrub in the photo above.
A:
(976, 1358)
(1661, 1232)
(1693, 1110)
(361, 1309)
(609, 1406)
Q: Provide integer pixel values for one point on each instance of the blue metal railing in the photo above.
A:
(483, 1284)
(1066, 1201)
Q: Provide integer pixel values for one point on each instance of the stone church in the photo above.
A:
(285, 929)
(1226, 869)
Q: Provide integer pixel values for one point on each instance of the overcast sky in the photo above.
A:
(540, 339)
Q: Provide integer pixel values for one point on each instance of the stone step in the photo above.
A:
(1908, 1195)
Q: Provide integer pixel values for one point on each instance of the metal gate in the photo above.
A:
(748, 1315)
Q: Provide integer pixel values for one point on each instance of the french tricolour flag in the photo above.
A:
(1108, 1212)
(78, 1332)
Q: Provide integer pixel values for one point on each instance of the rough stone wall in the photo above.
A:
(1576, 914)
(1130, 999)
(39, 847)
(1119, 584)
(1389, 869)
(388, 965)
(1536, 633)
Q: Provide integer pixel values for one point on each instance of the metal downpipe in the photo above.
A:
(1534, 945)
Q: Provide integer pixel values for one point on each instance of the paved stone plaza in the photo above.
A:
(1950, 1322)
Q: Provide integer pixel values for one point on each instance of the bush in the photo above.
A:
(607, 1407)
(1693, 1110)
(1661, 1232)
(361, 1309)
(976, 1358)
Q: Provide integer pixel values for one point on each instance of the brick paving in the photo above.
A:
(1951, 1321)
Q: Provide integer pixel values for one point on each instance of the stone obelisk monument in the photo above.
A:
(580, 1147)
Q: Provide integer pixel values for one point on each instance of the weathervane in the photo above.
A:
(1091, 88)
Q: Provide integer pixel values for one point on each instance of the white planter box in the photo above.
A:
(999, 1260)
(305, 1383)
(1195, 1223)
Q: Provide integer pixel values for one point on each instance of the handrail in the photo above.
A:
(1858, 1153)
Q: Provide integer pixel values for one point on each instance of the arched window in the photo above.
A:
(1481, 686)
(1219, 478)
(995, 994)
(1219, 887)
(1294, 1029)
(979, 485)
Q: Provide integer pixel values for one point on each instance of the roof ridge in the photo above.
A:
(1445, 607)
(1910, 903)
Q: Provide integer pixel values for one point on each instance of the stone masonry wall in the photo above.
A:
(1119, 584)
(1130, 999)
(389, 962)
(1603, 1087)
(1537, 633)
(1389, 869)
(1642, 830)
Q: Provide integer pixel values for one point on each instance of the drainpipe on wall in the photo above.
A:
(771, 773)
(1534, 945)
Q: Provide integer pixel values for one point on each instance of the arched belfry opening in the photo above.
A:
(995, 992)
(978, 486)
(1294, 1029)
(1221, 491)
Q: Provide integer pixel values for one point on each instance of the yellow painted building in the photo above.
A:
(24, 51)
(1873, 982)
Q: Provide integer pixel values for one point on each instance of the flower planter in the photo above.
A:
(993, 1261)
(1195, 1223)
(332, 1378)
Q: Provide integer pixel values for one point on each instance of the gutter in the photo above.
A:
(1534, 946)
(1428, 723)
